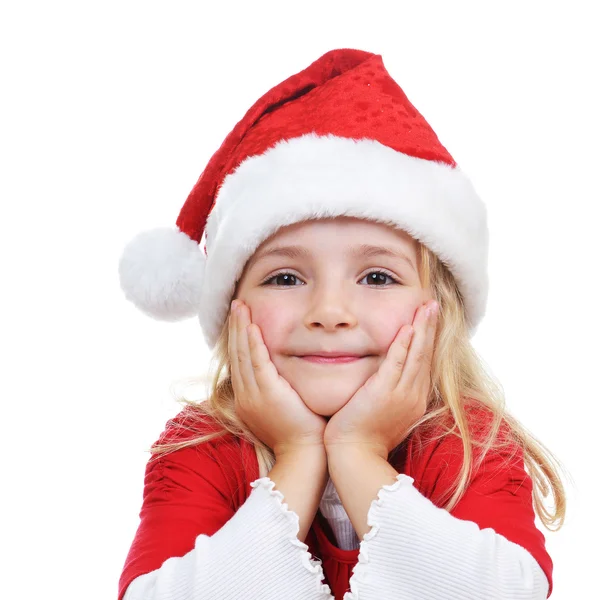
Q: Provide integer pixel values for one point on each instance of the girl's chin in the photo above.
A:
(326, 411)
(315, 393)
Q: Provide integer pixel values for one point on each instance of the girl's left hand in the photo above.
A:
(380, 413)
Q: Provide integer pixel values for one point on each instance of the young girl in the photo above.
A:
(352, 446)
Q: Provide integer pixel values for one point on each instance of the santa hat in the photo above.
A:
(338, 138)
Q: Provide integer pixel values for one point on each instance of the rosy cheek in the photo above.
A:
(271, 322)
(408, 316)
(389, 328)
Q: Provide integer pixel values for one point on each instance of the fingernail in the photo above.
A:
(432, 309)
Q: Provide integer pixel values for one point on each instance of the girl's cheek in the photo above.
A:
(273, 323)
(388, 327)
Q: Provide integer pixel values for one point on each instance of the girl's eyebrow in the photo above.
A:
(360, 251)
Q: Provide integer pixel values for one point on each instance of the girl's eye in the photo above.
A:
(282, 279)
(376, 278)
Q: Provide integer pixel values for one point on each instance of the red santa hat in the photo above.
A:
(338, 138)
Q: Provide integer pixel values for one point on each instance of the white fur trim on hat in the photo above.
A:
(312, 177)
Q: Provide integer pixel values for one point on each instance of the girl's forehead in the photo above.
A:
(336, 238)
(342, 229)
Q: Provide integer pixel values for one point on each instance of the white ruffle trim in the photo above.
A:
(313, 565)
(360, 571)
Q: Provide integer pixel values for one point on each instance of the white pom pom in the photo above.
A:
(161, 272)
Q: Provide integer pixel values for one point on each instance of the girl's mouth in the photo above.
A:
(331, 360)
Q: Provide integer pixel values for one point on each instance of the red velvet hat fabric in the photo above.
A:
(347, 93)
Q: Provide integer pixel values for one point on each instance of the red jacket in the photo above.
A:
(175, 508)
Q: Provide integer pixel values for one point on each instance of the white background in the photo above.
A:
(110, 111)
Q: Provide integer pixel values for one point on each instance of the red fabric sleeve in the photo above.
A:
(499, 494)
(500, 497)
(188, 492)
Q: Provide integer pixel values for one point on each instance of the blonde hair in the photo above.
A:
(457, 373)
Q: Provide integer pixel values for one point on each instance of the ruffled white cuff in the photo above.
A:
(256, 555)
(415, 550)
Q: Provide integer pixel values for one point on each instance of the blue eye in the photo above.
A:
(286, 279)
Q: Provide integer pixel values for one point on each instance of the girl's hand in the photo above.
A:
(264, 400)
(380, 413)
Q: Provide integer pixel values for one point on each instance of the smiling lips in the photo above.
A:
(332, 358)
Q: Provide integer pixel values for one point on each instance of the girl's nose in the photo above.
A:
(330, 309)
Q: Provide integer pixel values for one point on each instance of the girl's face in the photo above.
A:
(340, 285)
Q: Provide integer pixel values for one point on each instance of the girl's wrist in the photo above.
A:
(304, 450)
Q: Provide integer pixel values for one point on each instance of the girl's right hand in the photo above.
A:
(264, 400)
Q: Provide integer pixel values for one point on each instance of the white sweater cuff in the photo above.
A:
(255, 555)
(416, 550)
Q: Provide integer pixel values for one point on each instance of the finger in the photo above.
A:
(418, 363)
(390, 371)
(233, 355)
(264, 370)
(243, 351)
